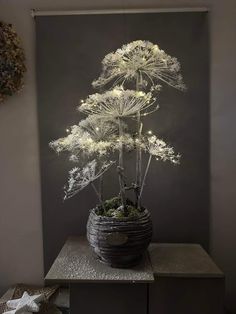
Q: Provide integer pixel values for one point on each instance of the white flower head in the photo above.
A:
(159, 149)
(100, 129)
(143, 62)
(126, 140)
(80, 178)
(88, 138)
(117, 103)
(69, 143)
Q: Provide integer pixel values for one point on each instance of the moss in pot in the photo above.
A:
(119, 230)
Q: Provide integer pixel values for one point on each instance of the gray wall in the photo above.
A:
(20, 208)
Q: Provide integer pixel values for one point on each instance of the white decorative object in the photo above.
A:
(26, 304)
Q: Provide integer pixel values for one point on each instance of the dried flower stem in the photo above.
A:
(138, 155)
(120, 167)
(97, 193)
(101, 187)
(145, 175)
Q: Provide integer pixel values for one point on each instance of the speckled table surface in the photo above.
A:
(182, 260)
(76, 263)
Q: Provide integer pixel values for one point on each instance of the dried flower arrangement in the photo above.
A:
(106, 130)
(12, 61)
(119, 229)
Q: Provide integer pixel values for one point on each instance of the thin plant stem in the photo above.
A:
(120, 168)
(101, 187)
(97, 193)
(145, 174)
(138, 156)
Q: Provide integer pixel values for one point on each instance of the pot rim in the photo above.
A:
(144, 213)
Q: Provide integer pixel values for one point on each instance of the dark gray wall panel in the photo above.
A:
(69, 50)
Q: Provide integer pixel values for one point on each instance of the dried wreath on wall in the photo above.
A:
(12, 61)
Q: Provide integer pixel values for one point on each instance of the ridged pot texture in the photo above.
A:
(119, 242)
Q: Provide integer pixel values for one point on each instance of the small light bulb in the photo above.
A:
(67, 130)
(155, 47)
(150, 132)
(97, 129)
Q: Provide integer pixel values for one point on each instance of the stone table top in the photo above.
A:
(182, 260)
(76, 263)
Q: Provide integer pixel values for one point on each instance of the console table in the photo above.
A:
(171, 278)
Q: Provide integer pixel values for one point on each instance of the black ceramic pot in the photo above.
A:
(119, 242)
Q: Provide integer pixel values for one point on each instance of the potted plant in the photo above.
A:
(120, 229)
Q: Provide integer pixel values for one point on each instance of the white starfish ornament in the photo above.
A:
(25, 305)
